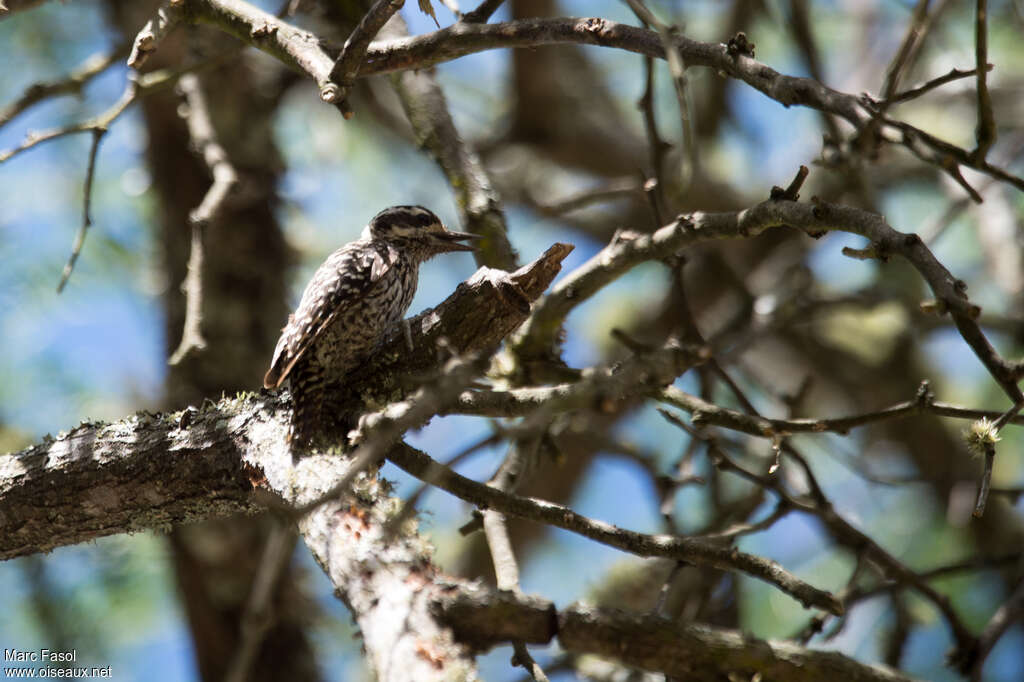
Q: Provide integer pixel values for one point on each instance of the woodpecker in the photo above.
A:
(348, 307)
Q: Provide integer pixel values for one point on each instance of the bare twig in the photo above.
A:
(693, 551)
(614, 189)
(908, 49)
(192, 339)
(538, 336)
(200, 128)
(601, 388)
(71, 84)
(653, 185)
(846, 534)
(203, 136)
(1011, 611)
(506, 570)
(986, 482)
(914, 93)
(800, 24)
(137, 87)
(409, 505)
(102, 121)
(90, 173)
(715, 415)
(523, 658)
(982, 436)
(483, 12)
(994, 563)
(986, 130)
(677, 68)
(167, 18)
(346, 68)
(739, 529)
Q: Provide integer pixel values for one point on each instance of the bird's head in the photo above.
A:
(414, 227)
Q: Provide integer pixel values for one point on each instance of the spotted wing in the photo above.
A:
(345, 276)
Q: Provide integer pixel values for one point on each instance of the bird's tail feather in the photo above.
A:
(307, 384)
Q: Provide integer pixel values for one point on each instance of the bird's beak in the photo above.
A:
(449, 241)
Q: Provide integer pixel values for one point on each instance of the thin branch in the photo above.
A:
(523, 658)
(995, 563)
(1009, 613)
(986, 129)
(101, 121)
(506, 570)
(137, 87)
(704, 412)
(600, 388)
(72, 84)
(847, 535)
(153, 32)
(539, 335)
(908, 49)
(690, 550)
(656, 147)
(986, 481)
(409, 505)
(192, 339)
(800, 24)
(346, 68)
(90, 173)
(982, 437)
(196, 113)
(677, 68)
(739, 529)
(914, 93)
(614, 189)
(462, 39)
(482, 13)
(203, 136)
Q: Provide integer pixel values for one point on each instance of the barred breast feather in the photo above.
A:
(343, 279)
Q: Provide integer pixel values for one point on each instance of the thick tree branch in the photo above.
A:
(703, 653)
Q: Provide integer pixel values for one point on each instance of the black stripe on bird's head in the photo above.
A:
(416, 227)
